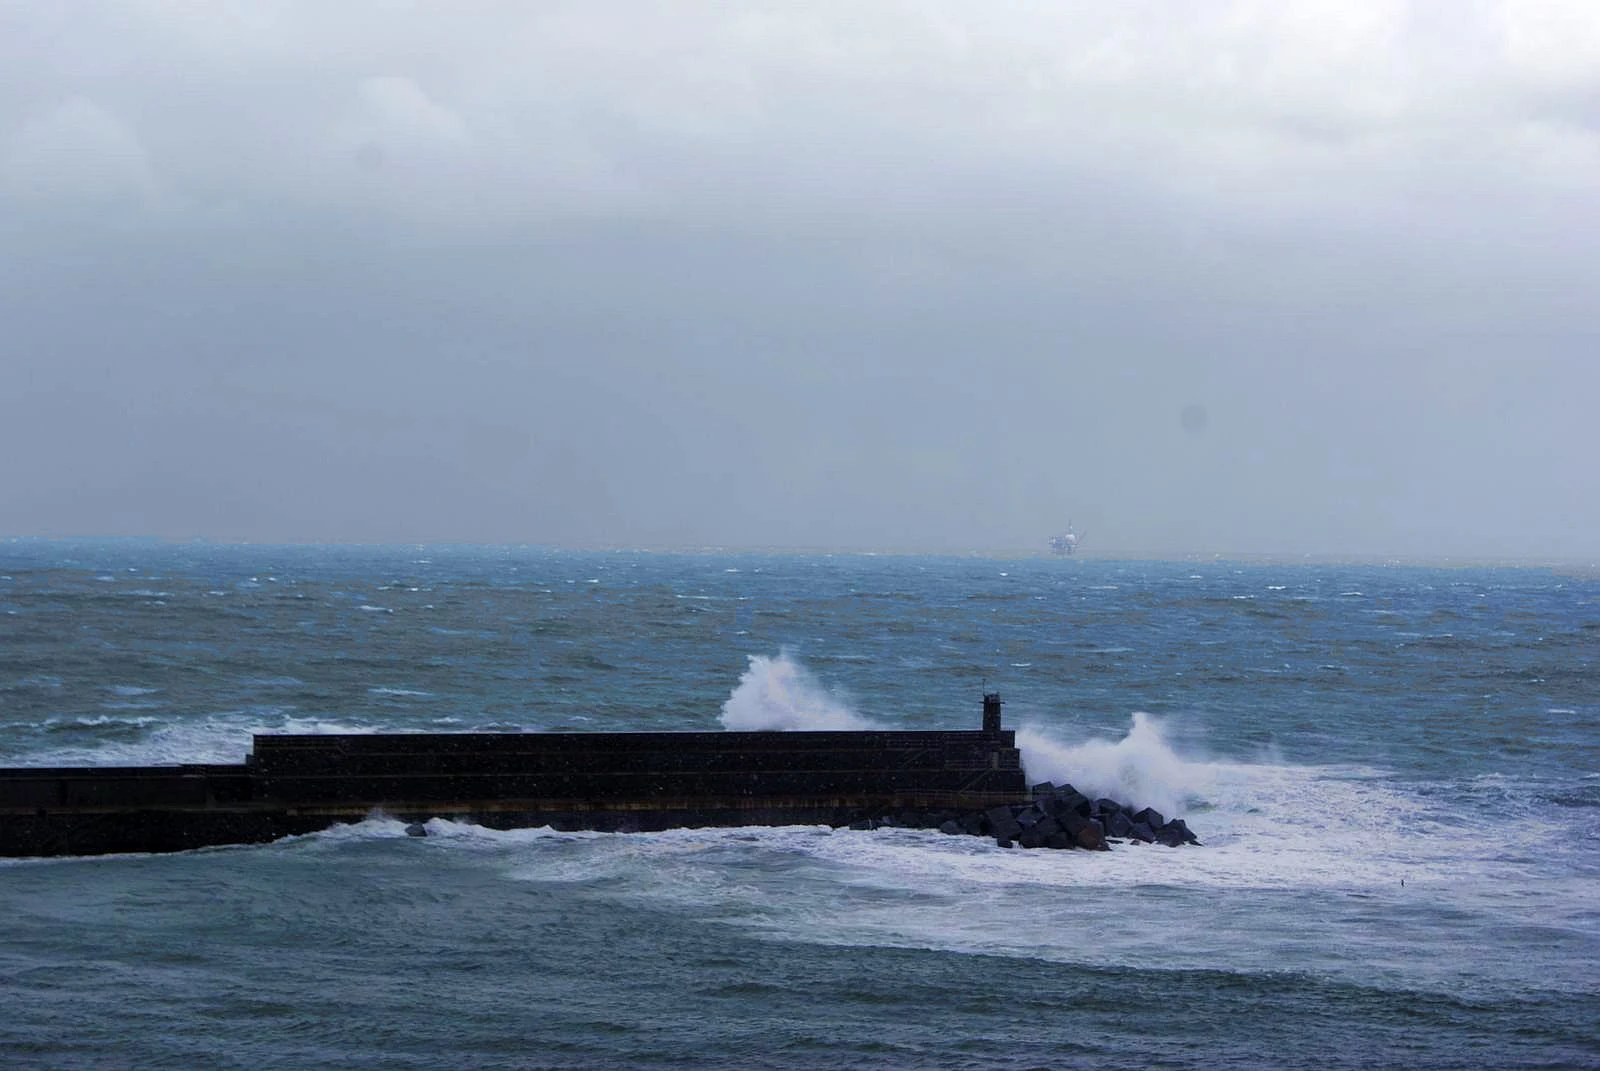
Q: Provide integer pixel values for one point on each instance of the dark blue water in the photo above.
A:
(1395, 771)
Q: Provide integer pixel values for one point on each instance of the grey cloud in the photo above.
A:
(888, 275)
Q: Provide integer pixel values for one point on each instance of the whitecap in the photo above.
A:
(778, 693)
(1141, 768)
(215, 738)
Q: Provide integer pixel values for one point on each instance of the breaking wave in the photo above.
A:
(1140, 768)
(780, 694)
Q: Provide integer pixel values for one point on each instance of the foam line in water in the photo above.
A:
(1339, 835)
(780, 694)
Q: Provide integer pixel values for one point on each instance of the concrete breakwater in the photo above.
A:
(958, 781)
(625, 782)
(1057, 816)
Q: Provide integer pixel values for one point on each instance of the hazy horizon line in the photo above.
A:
(996, 553)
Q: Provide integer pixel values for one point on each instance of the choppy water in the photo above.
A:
(1395, 771)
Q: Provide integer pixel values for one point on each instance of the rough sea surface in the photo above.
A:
(1395, 772)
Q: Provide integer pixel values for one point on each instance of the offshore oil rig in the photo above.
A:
(1064, 544)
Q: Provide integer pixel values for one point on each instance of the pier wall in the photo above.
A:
(292, 784)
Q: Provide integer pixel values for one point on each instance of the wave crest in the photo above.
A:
(780, 694)
(1140, 768)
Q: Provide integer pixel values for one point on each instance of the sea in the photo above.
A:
(1393, 770)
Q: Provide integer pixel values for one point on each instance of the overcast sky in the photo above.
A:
(1314, 277)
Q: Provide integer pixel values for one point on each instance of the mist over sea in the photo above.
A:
(1394, 771)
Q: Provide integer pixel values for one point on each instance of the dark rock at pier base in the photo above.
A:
(1003, 822)
(1059, 817)
(1150, 817)
(1069, 800)
(1174, 833)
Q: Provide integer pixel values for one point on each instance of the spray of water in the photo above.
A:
(778, 693)
(1141, 768)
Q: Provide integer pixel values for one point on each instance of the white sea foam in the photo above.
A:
(1289, 829)
(376, 825)
(1346, 836)
(780, 694)
(1141, 768)
(215, 738)
(102, 720)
